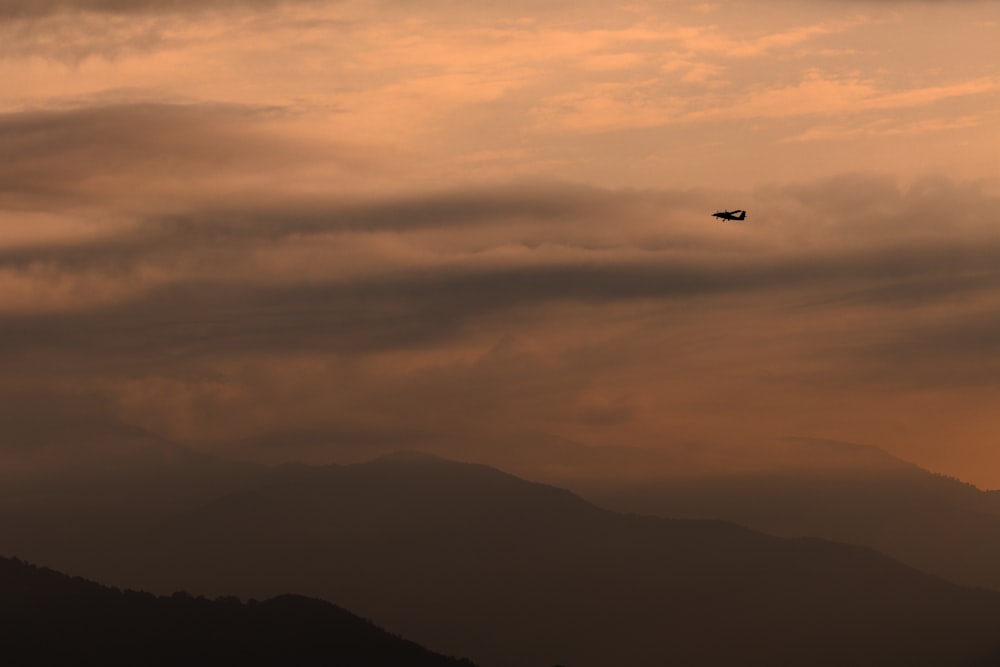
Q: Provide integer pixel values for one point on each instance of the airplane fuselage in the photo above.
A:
(738, 214)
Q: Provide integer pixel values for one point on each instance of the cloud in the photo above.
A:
(22, 9)
(344, 277)
(131, 152)
(887, 127)
(611, 106)
(712, 40)
(436, 85)
(237, 220)
(73, 32)
(579, 311)
(818, 94)
(941, 353)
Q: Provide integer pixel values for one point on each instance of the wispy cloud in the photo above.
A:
(23, 9)
(146, 154)
(818, 94)
(611, 106)
(887, 127)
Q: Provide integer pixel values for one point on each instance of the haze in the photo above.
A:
(317, 231)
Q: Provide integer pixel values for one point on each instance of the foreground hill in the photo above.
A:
(48, 618)
(471, 561)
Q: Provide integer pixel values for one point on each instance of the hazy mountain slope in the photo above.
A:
(471, 561)
(112, 478)
(48, 618)
(934, 523)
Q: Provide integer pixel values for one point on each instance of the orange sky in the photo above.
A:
(271, 228)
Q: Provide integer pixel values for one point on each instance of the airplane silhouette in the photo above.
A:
(731, 215)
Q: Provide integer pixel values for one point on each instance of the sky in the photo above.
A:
(285, 229)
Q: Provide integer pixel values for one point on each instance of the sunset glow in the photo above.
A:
(306, 230)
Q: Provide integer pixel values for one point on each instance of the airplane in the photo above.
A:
(731, 215)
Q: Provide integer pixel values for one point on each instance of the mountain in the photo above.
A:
(471, 561)
(934, 523)
(48, 618)
(87, 478)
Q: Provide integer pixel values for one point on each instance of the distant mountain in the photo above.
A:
(471, 561)
(48, 618)
(934, 523)
(92, 477)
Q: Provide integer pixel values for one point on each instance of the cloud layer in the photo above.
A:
(565, 309)
(270, 227)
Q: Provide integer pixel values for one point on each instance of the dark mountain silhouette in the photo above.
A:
(934, 523)
(48, 618)
(471, 561)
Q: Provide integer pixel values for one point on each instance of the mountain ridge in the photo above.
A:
(50, 618)
(470, 560)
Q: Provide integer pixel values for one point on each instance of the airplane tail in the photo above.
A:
(742, 215)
